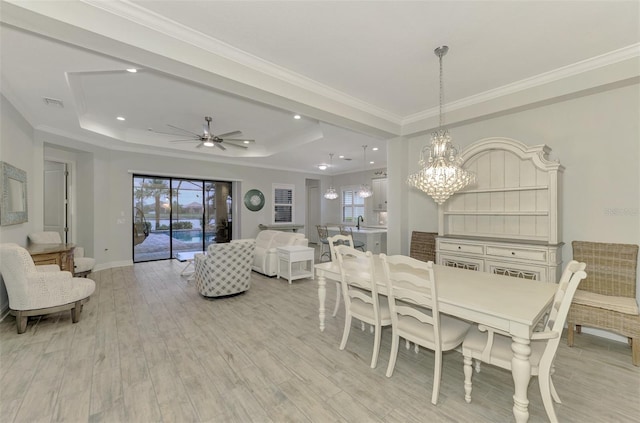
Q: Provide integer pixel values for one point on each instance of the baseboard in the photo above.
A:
(604, 334)
(111, 265)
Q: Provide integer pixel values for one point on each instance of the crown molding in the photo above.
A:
(604, 60)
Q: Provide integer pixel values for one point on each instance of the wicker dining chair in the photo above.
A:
(607, 297)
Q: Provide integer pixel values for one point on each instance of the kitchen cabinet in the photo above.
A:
(379, 194)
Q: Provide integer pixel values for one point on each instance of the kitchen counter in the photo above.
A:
(375, 238)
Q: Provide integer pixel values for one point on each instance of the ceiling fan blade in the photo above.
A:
(186, 140)
(222, 147)
(230, 134)
(183, 130)
(200, 145)
(236, 145)
(239, 140)
(165, 133)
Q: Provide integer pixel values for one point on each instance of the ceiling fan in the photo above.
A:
(208, 139)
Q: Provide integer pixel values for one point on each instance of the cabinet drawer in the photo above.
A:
(518, 253)
(534, 273)
(468, 263)
(462, 248)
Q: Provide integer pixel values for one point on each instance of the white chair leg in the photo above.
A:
(554, 393)
(347, 328)
(545, 393)
(478, 366)
(416, 348)
(407, 343)
(335, 310)
(376, 346)
(468, 372)
(395, 340)
(362, 326)
(437, 371)
(371, 328)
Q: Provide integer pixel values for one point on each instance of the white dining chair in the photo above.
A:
(360, 292)
(415, 313)
(334, 241)
(491, 346)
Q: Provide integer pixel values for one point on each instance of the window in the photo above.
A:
(352, 205)
(283, 203)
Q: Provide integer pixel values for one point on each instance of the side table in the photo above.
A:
(295, 262)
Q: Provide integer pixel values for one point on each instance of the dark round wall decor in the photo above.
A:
(254, 200)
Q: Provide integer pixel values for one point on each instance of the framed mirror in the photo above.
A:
(13, 186)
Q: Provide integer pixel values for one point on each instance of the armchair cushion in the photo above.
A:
(225, 269)
(626, 305)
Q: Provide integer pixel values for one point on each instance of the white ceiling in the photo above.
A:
(358, 72)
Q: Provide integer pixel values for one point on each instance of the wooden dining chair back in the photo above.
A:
(415, 314)
(494, 347)
(360, 292)
(334, 241)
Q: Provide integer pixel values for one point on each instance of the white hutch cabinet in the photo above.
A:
(508, 222)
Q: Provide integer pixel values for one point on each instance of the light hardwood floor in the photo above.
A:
(148, 348)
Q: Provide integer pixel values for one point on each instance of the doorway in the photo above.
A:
(56, 199)
(173, 215)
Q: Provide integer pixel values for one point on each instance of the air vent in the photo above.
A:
(53, 102)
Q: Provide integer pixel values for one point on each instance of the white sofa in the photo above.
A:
(265, 260)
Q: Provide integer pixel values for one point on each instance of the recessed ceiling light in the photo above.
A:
(297, 116)
(132, 70)
(375, 148)
(120, 118)
(246, 142)
(372, 162)
(322, 167)
(341, 157)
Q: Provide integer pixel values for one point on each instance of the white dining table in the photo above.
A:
(510, 304)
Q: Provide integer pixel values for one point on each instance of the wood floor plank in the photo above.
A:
(148, 347)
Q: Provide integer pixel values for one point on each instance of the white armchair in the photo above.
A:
(225, 269)
(82, 265)
(37, 290)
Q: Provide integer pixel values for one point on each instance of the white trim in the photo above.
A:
(181, 176)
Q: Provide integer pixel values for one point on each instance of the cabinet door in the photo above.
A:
(379, 194)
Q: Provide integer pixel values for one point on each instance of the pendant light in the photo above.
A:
(331, 193)
(365, 189)
(440, 174)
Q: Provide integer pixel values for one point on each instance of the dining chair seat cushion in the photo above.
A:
(625, 305)
(501, 352)
(452, 330)
(360, 308)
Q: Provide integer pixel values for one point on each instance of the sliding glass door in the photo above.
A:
(173, 215)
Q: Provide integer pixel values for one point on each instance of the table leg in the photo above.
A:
(322, 294)
(189, 263)
(521, 371)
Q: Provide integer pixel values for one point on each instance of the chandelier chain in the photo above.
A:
(441, 120)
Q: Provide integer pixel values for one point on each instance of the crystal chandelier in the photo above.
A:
(365, 189)
(440, 174)
(331, 193)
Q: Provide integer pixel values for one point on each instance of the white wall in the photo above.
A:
(17, 148)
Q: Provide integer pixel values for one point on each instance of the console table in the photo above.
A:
(60, 254)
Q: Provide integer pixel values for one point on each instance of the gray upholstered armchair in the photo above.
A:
(225, 269)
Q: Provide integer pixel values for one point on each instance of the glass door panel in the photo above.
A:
(187, 215)
(151, 218)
